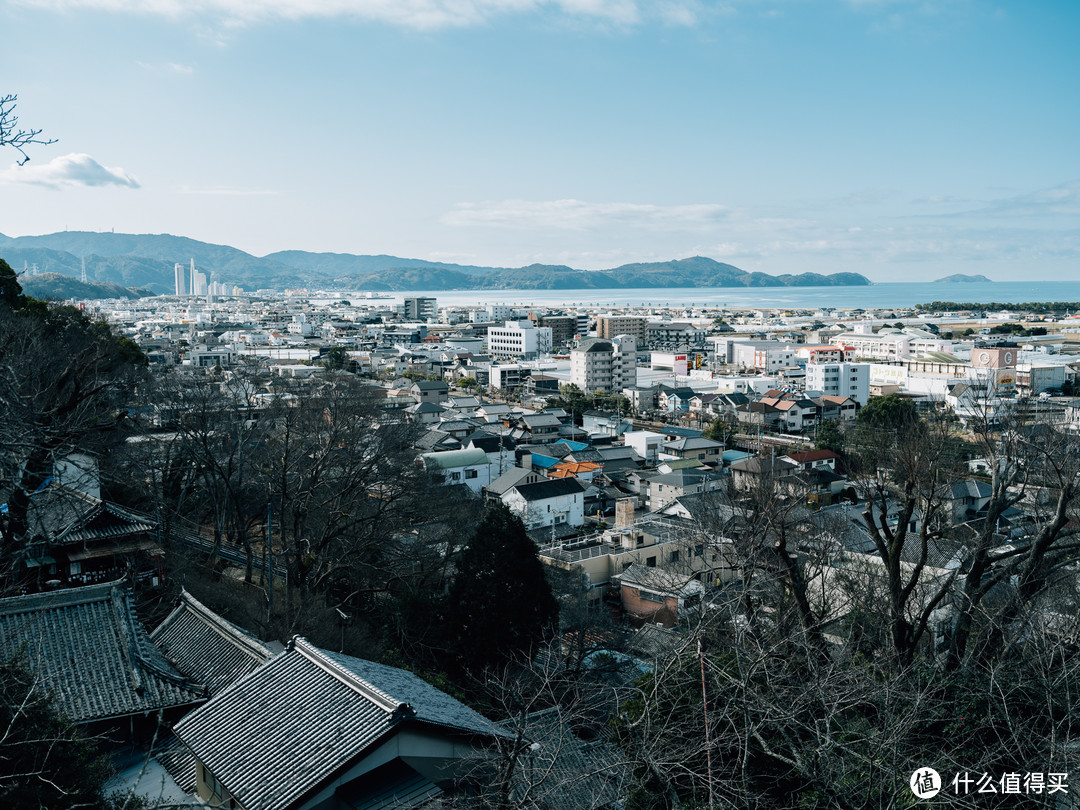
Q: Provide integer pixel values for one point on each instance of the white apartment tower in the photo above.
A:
(840, 380)
(178, 271)
(605, 365)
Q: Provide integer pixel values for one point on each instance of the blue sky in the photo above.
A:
(903, 139)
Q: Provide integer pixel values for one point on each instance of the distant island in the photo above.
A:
(145, 262)
(961, 278)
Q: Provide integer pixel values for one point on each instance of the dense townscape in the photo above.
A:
(323, 549)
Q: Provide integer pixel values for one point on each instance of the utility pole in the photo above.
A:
(705, 717)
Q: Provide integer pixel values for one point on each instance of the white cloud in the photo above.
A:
(70, 170)
(424, 14)
(577, 215)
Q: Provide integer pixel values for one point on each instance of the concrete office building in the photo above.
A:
(519, 339)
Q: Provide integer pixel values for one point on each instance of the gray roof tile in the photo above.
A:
(88, 647)
(281, 731)
(206, 647)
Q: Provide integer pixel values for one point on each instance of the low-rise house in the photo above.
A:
(758, 471)
(814, 459)
(697, 448)
(582, 470)
(425, 413)
(499, 449)
(674, 400)
(494, 491)
(314, 729)
(658, 595)
(597, 423)
(796, 414)
(675, 543)
(646, 444)
(435, 391)
(470, 467)
(835, 407)
(760, 413)
(966, 499)
(537, 428)
(551, 502)
(666, 487)
(434, 441)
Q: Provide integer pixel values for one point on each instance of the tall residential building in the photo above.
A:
(563, 327)
(605, 365)
(840, 380)
(420, 309)
(181, 286)
(611, 326)
(520, 339)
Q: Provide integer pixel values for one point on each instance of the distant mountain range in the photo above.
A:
(145, 261)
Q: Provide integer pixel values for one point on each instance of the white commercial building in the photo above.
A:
(889, 346)
(840, 380)
(675, 362)
(520, 339)
(767, 356)
(605, 365)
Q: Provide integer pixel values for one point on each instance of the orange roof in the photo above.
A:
(578, 466)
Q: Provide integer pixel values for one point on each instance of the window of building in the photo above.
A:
(471, 473)
(650, 562)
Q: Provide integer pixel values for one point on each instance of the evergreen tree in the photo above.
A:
(500, 600)
(10, 290)
(830, 436)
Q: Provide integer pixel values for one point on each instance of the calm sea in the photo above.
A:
(875, 296)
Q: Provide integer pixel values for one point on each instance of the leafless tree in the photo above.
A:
(12, 135)
(63, 378)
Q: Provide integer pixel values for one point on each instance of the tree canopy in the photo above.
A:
(500, 599)
(890, 412)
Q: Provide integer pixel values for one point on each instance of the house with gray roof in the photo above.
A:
(316, 729)
(549, 502)
(430, 391)
(658, 595)
(666, 487)
(512, 477)
(207, 648)
(88, 648)
(75, 539)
